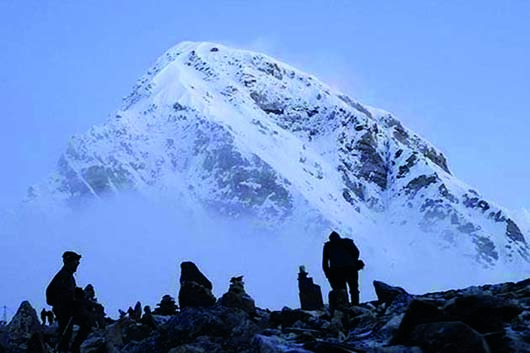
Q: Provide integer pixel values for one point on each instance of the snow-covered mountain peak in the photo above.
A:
(239, 134)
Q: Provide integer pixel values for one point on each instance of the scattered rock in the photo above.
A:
(485, 313)
(418, 312)
(452, 336)
(395, 298)
(287, 317)
(266, 344)
(95, 343)
(232, 326)
(481, 319)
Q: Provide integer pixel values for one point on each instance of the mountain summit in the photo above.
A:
(236, 134)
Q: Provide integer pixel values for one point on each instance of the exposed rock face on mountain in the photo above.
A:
(484, 319)
(239, 134)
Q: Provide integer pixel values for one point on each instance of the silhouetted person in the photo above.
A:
(136, 313)
(189, 272)
(46, 315)
(95, 310)
(122, 313)
(148, 319)
(67, 301)
(340, 262)
(195, 288)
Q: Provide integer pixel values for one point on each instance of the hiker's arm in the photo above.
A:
(325, 260)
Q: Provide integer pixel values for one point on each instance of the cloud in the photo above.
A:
(132, 249)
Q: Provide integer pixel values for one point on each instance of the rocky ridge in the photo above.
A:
(488, 318)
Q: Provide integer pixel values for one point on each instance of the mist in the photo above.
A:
(132, 247)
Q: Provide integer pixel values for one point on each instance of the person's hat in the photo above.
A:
(70, 255)
(334, 236)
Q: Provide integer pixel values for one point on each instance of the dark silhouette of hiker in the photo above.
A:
(46, 315)
(67, 301)
(340, 262)
(191, 273)
(195, 288)
(95, 310)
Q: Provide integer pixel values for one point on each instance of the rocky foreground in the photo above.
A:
(489, 318)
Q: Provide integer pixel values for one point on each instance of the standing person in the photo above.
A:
(340, 262)
(95, 311)
(67, 302)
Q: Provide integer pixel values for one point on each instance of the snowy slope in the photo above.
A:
(239, 135)
(522, 218)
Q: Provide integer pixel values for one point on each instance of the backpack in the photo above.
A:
(359, 265)
(51, 294)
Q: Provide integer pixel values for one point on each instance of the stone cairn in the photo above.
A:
(236, 297)
(309, 292)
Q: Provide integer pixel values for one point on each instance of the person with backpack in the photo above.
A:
(340, 262)
(67, 301)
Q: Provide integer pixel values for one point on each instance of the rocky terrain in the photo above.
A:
(483, 319)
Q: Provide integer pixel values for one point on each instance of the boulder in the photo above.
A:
(485, 313)
(359, 320)
(287, 317)
(389, 295)
(266, 344)
(24, 331)
(95, 343)
(150, 345)
(390, 329)
(124, 331)
(418, 312)
(448, 336)
(232, 326)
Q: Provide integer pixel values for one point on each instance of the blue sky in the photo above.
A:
(455, 72)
